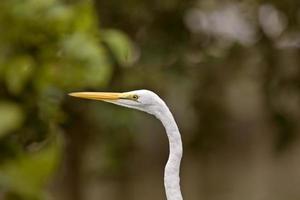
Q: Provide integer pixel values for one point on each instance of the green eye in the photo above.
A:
(135, 97)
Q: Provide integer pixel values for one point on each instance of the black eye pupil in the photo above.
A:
(135, 96)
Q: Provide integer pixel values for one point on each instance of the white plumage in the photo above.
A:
(151, 103)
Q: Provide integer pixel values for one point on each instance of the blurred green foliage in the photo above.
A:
(47, 48)
(27, 174)
(11, 117)
(228, 70)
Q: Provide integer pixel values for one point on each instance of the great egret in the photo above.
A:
(151, 103)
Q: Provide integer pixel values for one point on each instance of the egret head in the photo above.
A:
(149, 102)
(144, 100)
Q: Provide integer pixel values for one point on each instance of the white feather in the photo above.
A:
(151, 103)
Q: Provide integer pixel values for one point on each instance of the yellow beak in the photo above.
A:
(98, 95)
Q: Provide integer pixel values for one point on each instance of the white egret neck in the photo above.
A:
(172, 169)
(148, 101)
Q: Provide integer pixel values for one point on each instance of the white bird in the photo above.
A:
(151, 103)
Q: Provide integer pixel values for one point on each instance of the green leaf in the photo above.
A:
(120, 45)
(28, 174)
(86, 18)
(11, 117)
(87, 63)
(17, 73)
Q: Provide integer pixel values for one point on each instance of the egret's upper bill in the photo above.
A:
(97, 95)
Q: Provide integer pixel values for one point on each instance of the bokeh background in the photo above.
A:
(229, 71)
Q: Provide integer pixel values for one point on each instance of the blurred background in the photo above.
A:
(229, 71)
